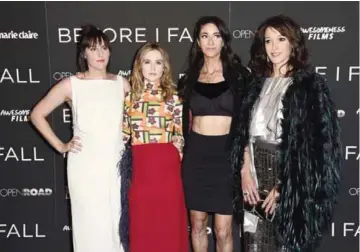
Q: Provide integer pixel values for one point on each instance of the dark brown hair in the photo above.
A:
(230, 60)
(89, 36)
(287, 27)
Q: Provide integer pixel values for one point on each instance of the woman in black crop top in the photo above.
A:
(213, 81)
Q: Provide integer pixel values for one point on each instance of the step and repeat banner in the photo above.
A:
(37, 48)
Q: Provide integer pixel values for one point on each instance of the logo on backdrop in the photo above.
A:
(181, 75)
(21, 231)
(66, 228)
(25, 192)
(322, 32)
(243, 34)
(61, 75)
(16, 115)
(352, 152)
(131, 35)
(124, 73)
(341, 113)
(19, 76)
(57, 76)
(66, 115)
(345, 229)
(22, 35)
(20, 154)
(312, 33)
(339, 73)
(354, 191)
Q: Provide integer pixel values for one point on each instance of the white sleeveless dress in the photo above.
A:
(93, 179)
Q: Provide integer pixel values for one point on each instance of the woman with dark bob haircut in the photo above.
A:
(213, 82)
(96, 100)
(286, 152)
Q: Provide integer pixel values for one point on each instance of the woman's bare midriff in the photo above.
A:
(211, 125)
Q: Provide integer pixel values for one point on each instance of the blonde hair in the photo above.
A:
(137, 79)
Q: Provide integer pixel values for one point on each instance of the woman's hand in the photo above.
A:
(248, 186)
(74, 145)
(270, 201)
(178, 142)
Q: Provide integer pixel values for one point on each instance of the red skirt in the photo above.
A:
(158, 217)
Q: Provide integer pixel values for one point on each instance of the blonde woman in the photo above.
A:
(152, 116)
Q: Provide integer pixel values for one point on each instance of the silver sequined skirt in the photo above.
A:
(264, 239)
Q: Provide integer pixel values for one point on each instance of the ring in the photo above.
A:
(245, 193)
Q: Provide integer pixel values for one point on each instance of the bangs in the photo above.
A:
(282, 29)
(100, 39)
(93, 38)
(90, 37)
(283, 26)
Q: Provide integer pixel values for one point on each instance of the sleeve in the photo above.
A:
(326, 162)
(126, 124)
(177, 116)
(329, 153)
(178, 138)
(311, 174)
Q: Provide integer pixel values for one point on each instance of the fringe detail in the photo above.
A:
(310, 159)
(239, 137)
(310, 163)
(125, 171)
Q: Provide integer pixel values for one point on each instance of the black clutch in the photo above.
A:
(257, 209)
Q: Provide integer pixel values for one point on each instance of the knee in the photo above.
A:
(198, 226)
(223, 233)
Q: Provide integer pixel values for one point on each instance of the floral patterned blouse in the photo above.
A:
(150, 119)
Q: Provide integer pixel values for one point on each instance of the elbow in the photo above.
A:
(31, 117)
(34, 117)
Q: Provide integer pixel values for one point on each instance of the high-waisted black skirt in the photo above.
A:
(207, 175)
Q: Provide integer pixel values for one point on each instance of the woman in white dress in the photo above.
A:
(97, 109)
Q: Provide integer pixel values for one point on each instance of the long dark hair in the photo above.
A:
(89, 37)
(287, 27)
(230, 61)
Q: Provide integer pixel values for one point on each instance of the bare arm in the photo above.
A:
(246, 165)
(248, 184)
(57, 95)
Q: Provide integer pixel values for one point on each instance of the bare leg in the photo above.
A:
(223, 232)
(199, 237)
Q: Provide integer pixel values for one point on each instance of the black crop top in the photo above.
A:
(211, 99)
